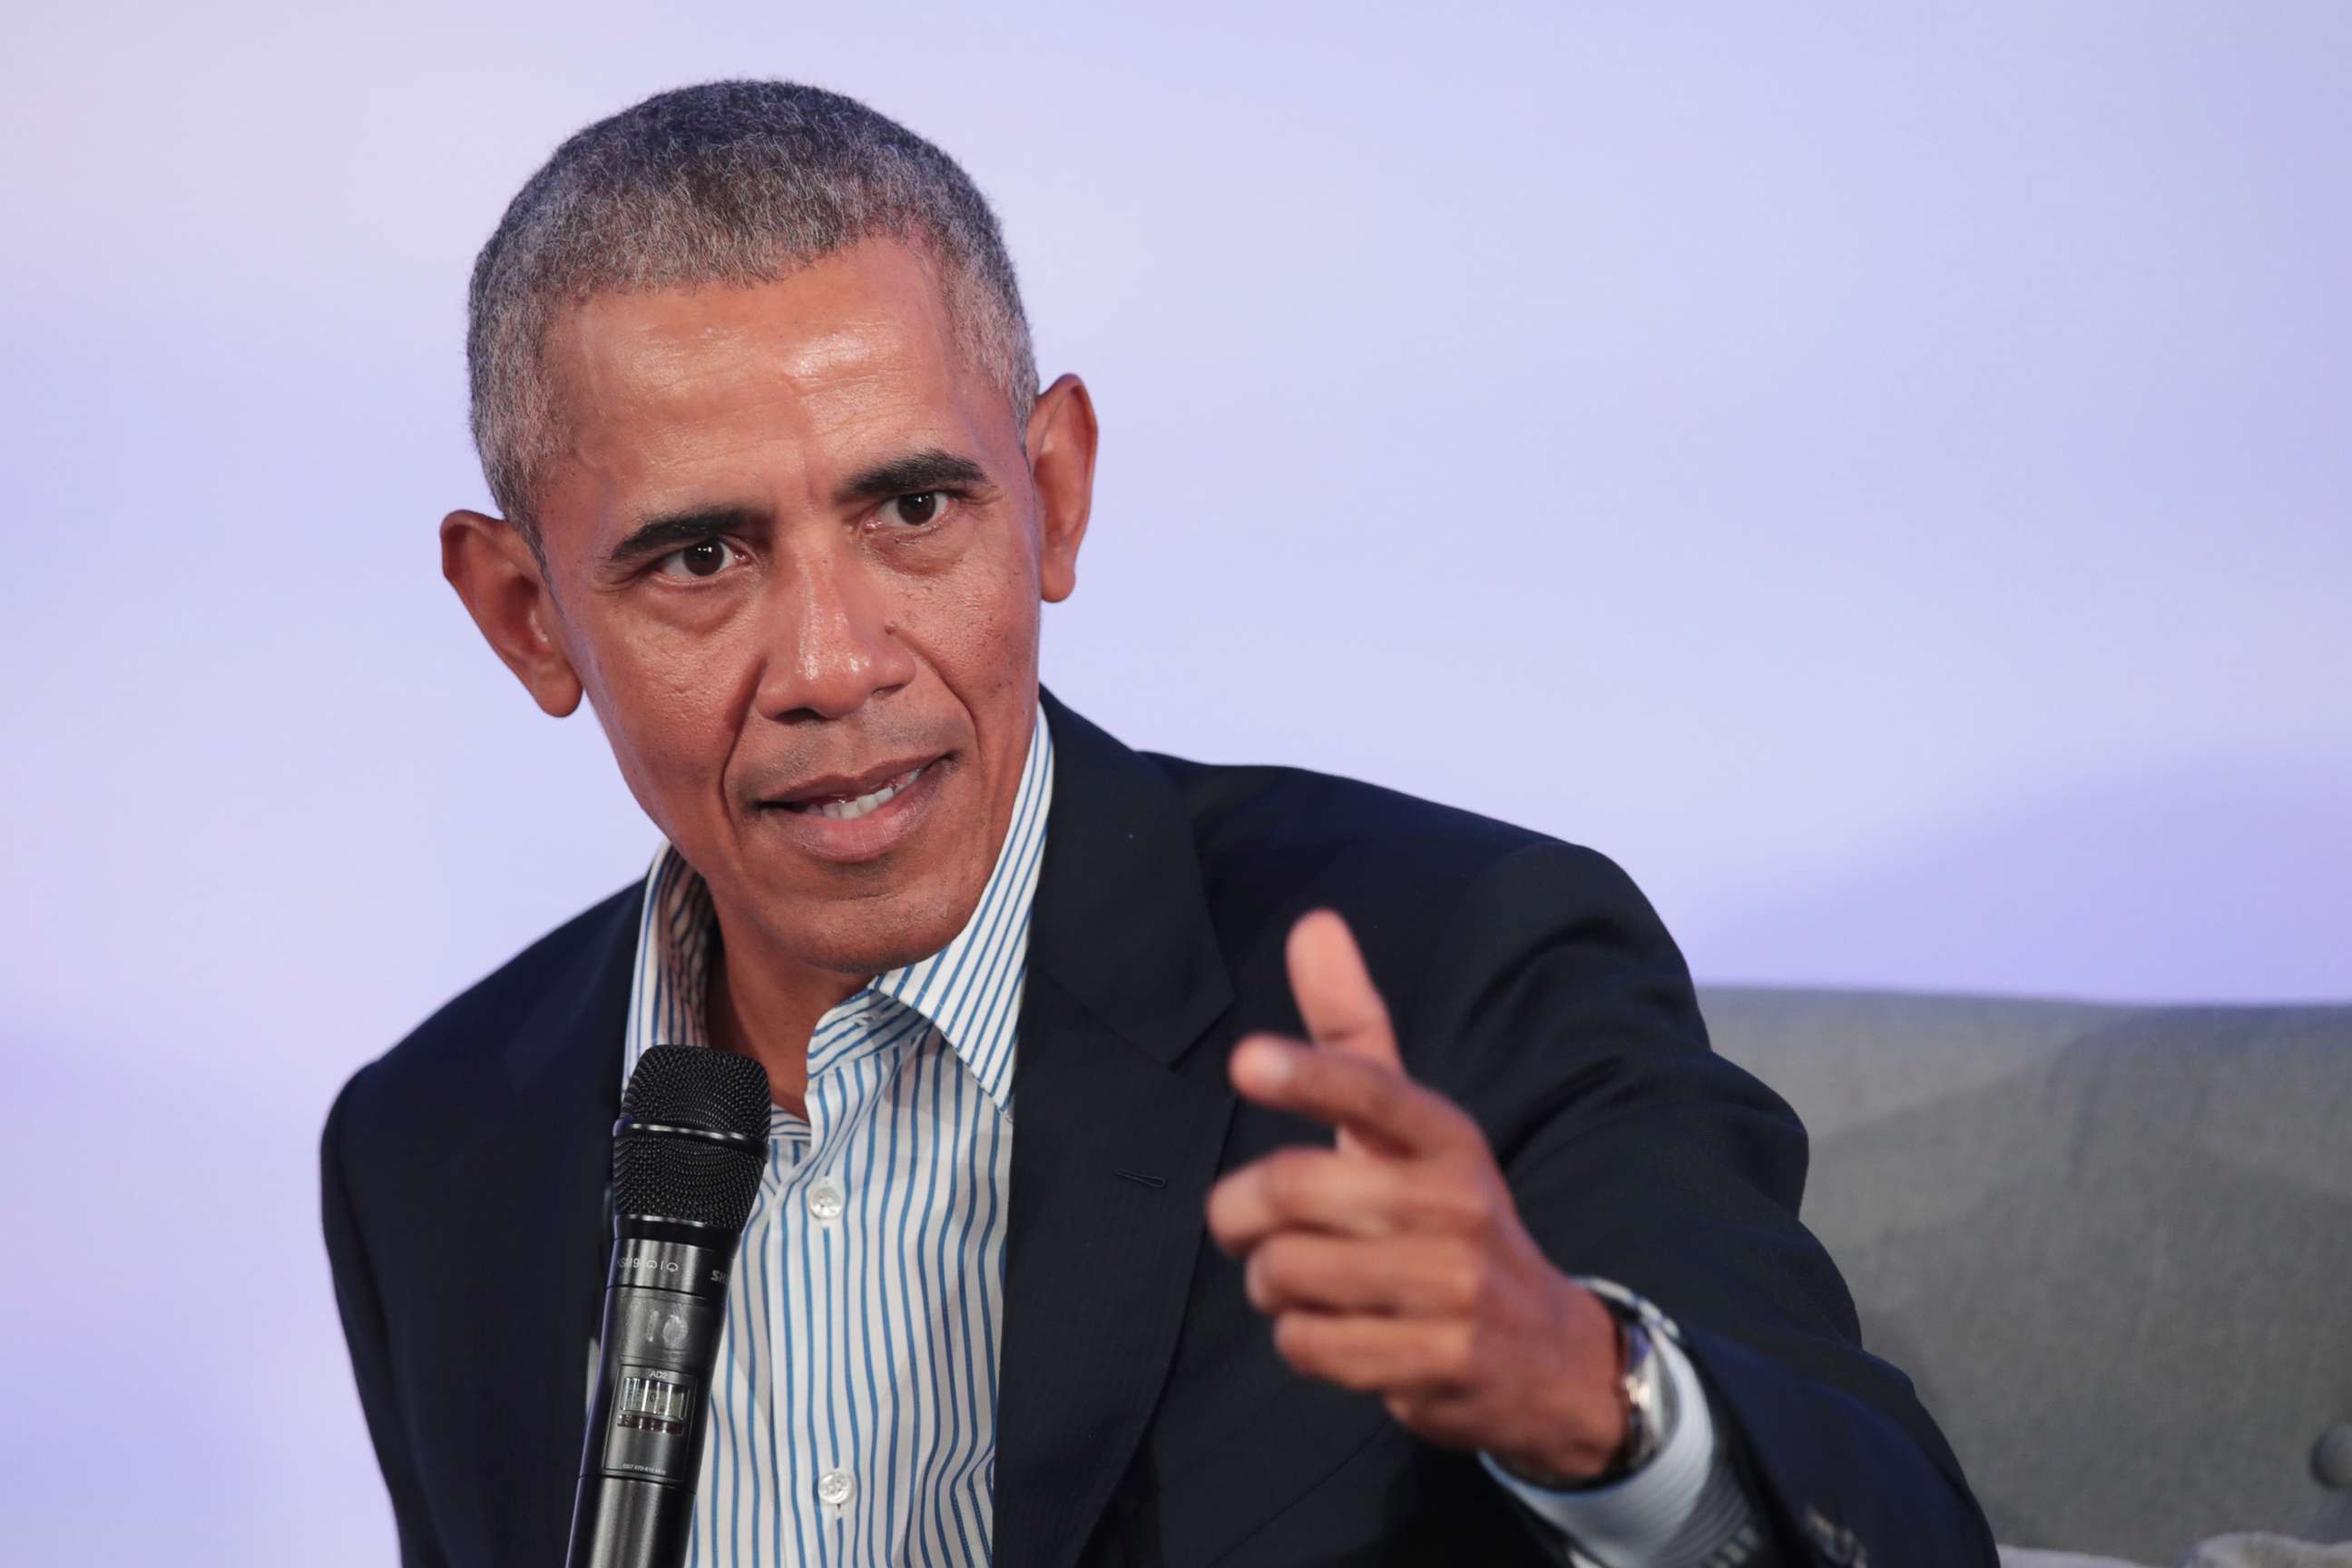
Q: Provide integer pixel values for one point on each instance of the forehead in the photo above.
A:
(724, 386)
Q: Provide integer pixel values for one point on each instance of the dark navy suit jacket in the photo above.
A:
(1144, 1419)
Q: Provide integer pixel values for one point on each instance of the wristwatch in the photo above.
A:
(1648, 1392)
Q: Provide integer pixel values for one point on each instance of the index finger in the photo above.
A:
(1333, 987)
(1374, 1101)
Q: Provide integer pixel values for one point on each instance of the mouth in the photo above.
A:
(862, 816)
(847, 801)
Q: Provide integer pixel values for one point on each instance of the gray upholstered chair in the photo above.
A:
(2113, 1245)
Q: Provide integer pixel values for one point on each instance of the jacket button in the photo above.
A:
(1837, 1543)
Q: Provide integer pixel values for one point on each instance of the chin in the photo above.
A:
(869, 937)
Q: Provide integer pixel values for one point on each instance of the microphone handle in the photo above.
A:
(664, 1303)
(623, 1523)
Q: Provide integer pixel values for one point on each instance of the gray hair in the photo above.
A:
(727, 182)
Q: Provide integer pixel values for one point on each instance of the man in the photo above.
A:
(1169, 1164)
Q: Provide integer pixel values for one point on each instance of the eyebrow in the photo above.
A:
(674, 530)
(931, 468)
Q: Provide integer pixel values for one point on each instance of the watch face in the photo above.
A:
(1650, 1404)
(1646, 1414)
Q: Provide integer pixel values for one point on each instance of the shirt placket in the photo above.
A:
(762, 1285)
(820, 1489)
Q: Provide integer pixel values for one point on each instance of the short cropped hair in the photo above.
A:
(729, 183)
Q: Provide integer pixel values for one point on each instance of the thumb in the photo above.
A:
(1336, 1000)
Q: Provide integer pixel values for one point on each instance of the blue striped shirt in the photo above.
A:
(854, 1411)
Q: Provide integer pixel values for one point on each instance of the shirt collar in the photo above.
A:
(970, 991)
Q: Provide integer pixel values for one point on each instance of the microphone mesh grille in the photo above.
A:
(686, 1178)
(693, 1085)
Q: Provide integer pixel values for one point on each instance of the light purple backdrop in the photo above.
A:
(1881, 473)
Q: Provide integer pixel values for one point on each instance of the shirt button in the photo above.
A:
(825, 1199)
(835, 1488)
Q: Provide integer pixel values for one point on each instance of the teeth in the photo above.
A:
(851, 810)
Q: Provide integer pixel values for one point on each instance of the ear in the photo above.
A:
(496, 573)
(1062, 465)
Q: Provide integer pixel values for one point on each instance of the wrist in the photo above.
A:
(1642, 1404)
(1667, 1511)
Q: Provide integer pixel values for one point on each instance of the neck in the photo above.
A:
(766, 1007)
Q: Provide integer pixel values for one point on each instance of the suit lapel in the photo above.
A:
(540, 1240)
(1113, 1152)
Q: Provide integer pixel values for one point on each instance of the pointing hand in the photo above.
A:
(1394, 1262)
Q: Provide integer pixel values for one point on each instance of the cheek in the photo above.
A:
(983, 626)
(671, 713)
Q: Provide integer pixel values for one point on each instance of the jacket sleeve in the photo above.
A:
(363, 1330)
(1559, 1012)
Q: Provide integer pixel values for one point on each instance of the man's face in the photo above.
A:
(797, 552)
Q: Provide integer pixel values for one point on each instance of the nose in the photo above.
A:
(829, 642)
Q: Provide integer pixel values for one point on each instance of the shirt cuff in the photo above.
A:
(1631, 1522)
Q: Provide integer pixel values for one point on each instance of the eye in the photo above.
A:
(919, 510)
(703, 558)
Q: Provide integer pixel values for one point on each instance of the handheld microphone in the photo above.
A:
(687, 1156)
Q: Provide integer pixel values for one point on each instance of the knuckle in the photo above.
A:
(1456, 1351)
(1481, 1212)
(1466, 1282)
(1393, 1101)
(1454, 1207)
